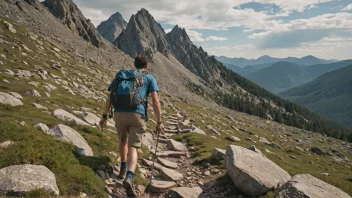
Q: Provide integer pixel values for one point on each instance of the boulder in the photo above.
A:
(10, 27)
(175, 146)
(23, 73)
(185, 192)
(170, 175)
(305, 185)
(67, 117)
(33, 93)
(197, 130)
(19, 179)
(161, 186)
(167, 163)
(317, 151)
(67, 134)
(9, 72)
(218, 154)
(234, 139)
(16, 95)
(251, 172)
(42, 127)
(8, 99)
(264, 140)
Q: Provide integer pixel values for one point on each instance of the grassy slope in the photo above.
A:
(74, 175)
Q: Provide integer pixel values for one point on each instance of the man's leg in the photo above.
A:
(137, 128)
(122, 130)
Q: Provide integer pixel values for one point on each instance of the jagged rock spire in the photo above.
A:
(111, 28)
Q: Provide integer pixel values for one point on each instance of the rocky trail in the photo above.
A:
(174, 173)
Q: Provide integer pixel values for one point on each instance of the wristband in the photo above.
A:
(159, 123)
(105, 116)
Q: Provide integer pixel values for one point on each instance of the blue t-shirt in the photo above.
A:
(149, 85)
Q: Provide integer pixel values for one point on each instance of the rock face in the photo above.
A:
(305, 185)
(69, 14)
(251, 172)
(193, 58)
(19, 179)
(111, 28)
(67, 117)
(8, 99)
(67, 134)
(184, 192)
(143, 35)
(218, 154)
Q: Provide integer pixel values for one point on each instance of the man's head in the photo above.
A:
(141, 62)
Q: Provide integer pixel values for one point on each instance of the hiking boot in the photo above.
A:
(128, 184)
(122, 173)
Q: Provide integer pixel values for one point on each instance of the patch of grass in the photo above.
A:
(34, 147)
(38, 193)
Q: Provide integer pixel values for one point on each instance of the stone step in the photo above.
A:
(170, 174)
(158, 186)
(175, 145)
(166, 163)
(171, 154)
(171, 123)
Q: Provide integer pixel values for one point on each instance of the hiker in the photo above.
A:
(128, 95)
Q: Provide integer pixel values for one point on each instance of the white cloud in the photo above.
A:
(215, 38)
(326, 21)
(347, 8)
(197, 14)
(167, 30)
(194, 35)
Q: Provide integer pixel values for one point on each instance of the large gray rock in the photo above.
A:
(218, 154)
(305, 185)
(185, 192)
(94, 120)
(16, 95)
(251, 172)
(67, 117)
(42, 127)
(8, 99)
(19, 179)
(33, 93)
(67, 134)
(175, 146)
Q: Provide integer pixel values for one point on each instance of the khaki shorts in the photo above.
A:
(130, 126)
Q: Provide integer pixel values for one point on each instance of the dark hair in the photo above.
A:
(141, 61)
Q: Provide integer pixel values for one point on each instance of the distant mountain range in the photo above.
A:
(242, 62)
(282, 76)
(330, 95)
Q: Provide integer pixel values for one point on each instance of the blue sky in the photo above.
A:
(247, 28)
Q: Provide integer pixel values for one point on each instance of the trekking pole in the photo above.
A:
(101, 141)
(147, 189)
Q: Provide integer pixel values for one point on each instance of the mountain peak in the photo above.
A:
(143, 35)
(112, 28)
(69, 14)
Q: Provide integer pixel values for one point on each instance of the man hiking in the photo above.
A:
(128, 95)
